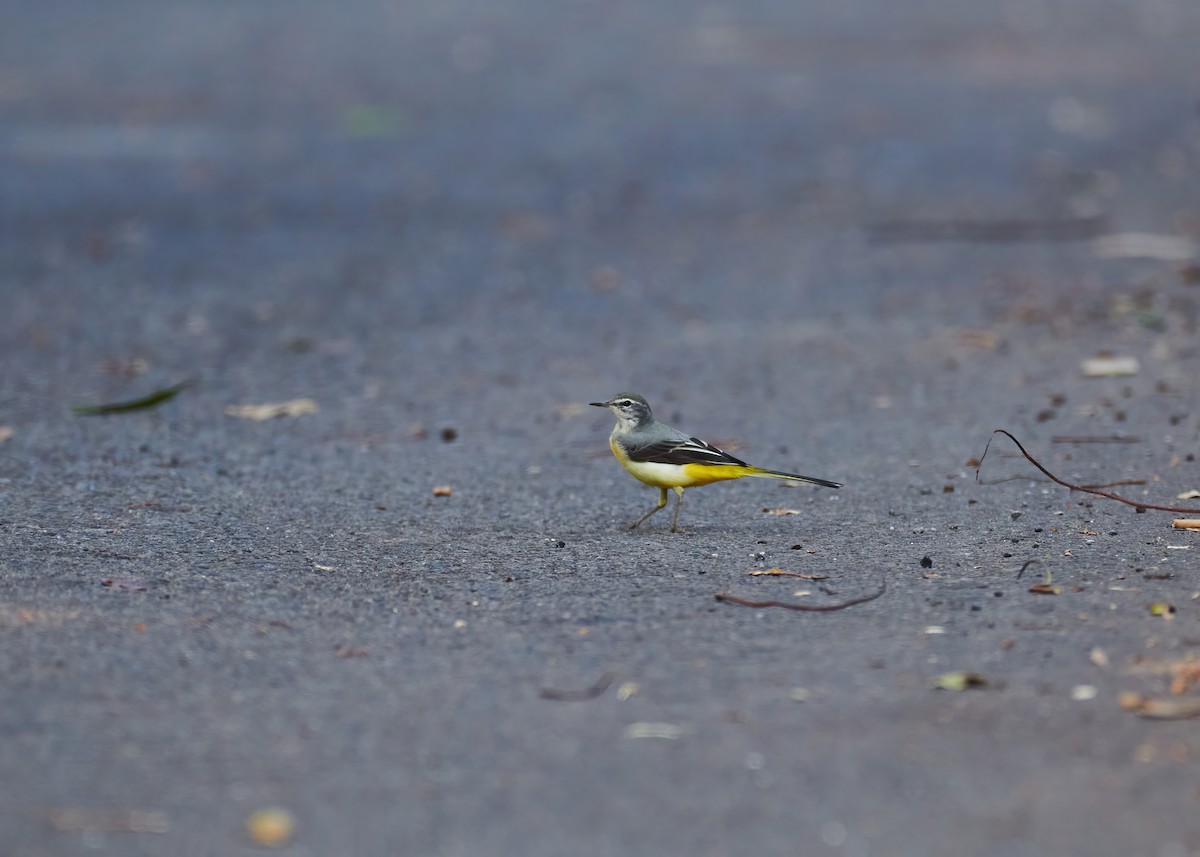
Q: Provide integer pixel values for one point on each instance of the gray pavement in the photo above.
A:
(848, 240)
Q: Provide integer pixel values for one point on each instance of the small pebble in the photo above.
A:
(272, 827)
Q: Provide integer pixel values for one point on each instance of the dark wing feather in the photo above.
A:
(690, 451)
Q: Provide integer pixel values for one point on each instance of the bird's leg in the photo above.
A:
(662, 501)
(678, 503)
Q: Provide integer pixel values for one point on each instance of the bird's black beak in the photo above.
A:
(598, 404)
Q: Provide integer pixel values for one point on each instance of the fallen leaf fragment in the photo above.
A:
(1099, 657)
(1159, 709)
(779, 572)
(780, 512)
(1163, 609)
(105, 821)
(1186, 523)
(669, 731)
(982, 339)
(1045, 589)
(124, 584)
(442, 491)
(270, 410)
(1184, 674)
(584, 694)
(1145, 245)
(1110, 367)
(959, 681)
(1083, 692)
(148, 401)
(6, 433)
(272, 827)
(1188, 495)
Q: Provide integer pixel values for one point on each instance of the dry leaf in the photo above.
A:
(959, 681)
(1162, 709)
(1186, 523)
(1184, 674)
(983, 339)
(270, 410)
(779, 572)
(654, 730)
(781, 511)
(1188, 495)
(127, 584)
(1163, 609)
(1110, 367)
(1045, 589)
(442, 491)
(6, 433)
(152, 400)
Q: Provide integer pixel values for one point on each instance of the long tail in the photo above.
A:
(779, 474)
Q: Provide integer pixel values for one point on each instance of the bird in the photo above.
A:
(666, 458)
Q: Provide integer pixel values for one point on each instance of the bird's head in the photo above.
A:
(629, 409)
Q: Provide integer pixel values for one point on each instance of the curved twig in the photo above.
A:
(1084, 488)
(801, 608)
(578, 695)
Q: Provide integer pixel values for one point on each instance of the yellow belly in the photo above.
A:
(677, 475)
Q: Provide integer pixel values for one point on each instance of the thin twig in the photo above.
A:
(1085, 489)
(801, 608)
(1115, 484)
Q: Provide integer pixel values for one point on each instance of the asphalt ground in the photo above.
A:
(847, 240)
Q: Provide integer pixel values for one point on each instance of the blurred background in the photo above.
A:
(848, 237)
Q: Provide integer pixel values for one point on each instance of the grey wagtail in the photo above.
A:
(665, 457)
